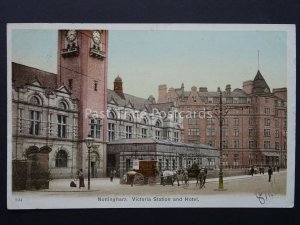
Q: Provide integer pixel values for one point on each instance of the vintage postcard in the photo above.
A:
(156, 115)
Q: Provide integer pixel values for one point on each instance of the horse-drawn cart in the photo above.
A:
(144, 173)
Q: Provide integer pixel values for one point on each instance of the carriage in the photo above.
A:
(144, 172)
(182, 176)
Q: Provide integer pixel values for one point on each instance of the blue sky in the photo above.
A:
(145, 59)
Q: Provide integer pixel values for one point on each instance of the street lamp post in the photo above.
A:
(221, 113)
(221, 186)
(89, 143)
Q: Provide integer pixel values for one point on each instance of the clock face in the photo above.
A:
(71, 35)
(96, 36)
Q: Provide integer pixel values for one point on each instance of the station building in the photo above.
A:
(53, 114)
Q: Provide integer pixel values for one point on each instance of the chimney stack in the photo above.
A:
(248, 86)
(162, 93)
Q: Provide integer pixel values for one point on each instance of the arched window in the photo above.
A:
(61, 159)
(129, 117)
(35, 100)
(34, 117)
(112, 115)
(158, 123)
(144, 121)
(62, 105)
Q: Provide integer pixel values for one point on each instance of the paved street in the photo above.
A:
(237, 184)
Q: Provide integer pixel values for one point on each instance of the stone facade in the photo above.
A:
(43, 118)
(134, 117)
(254, 127)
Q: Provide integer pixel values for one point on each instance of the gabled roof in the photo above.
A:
(112, 100)
(129, 105)
(36, 82)
(129, 100)
(63, 89)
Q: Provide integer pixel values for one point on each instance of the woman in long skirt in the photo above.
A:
(81, 178)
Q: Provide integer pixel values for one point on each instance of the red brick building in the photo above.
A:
(254, 128)
(82, 68)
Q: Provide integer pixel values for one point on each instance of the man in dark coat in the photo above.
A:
(205, 175)
(252, 170)
(270, 172)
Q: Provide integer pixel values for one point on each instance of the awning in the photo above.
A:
(274, 154)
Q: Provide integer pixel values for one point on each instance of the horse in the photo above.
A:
(182, 175)
(186, 177)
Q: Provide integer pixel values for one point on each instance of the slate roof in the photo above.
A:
(136, 102)
(259, 84)
(163, 106)
(22, 75)
(203, 95)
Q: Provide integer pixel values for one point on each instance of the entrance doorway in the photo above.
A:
(95, 164)
(94, 169)
(111, 163)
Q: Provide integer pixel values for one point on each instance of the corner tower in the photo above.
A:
(82, 68)
(260, 85)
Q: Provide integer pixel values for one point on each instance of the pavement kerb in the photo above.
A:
(209, 180)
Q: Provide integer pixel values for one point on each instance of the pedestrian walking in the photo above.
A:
(252, 170)
(131, 178)
(112, 174)
(261, 169)
(270, 172)
(205, 175)
(81, 178)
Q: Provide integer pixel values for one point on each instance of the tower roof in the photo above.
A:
(259, 84)
(118, 79)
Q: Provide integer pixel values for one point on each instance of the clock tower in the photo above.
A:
(82, 68)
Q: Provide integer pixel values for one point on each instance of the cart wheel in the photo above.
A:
(151, 180)
(138, 179)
